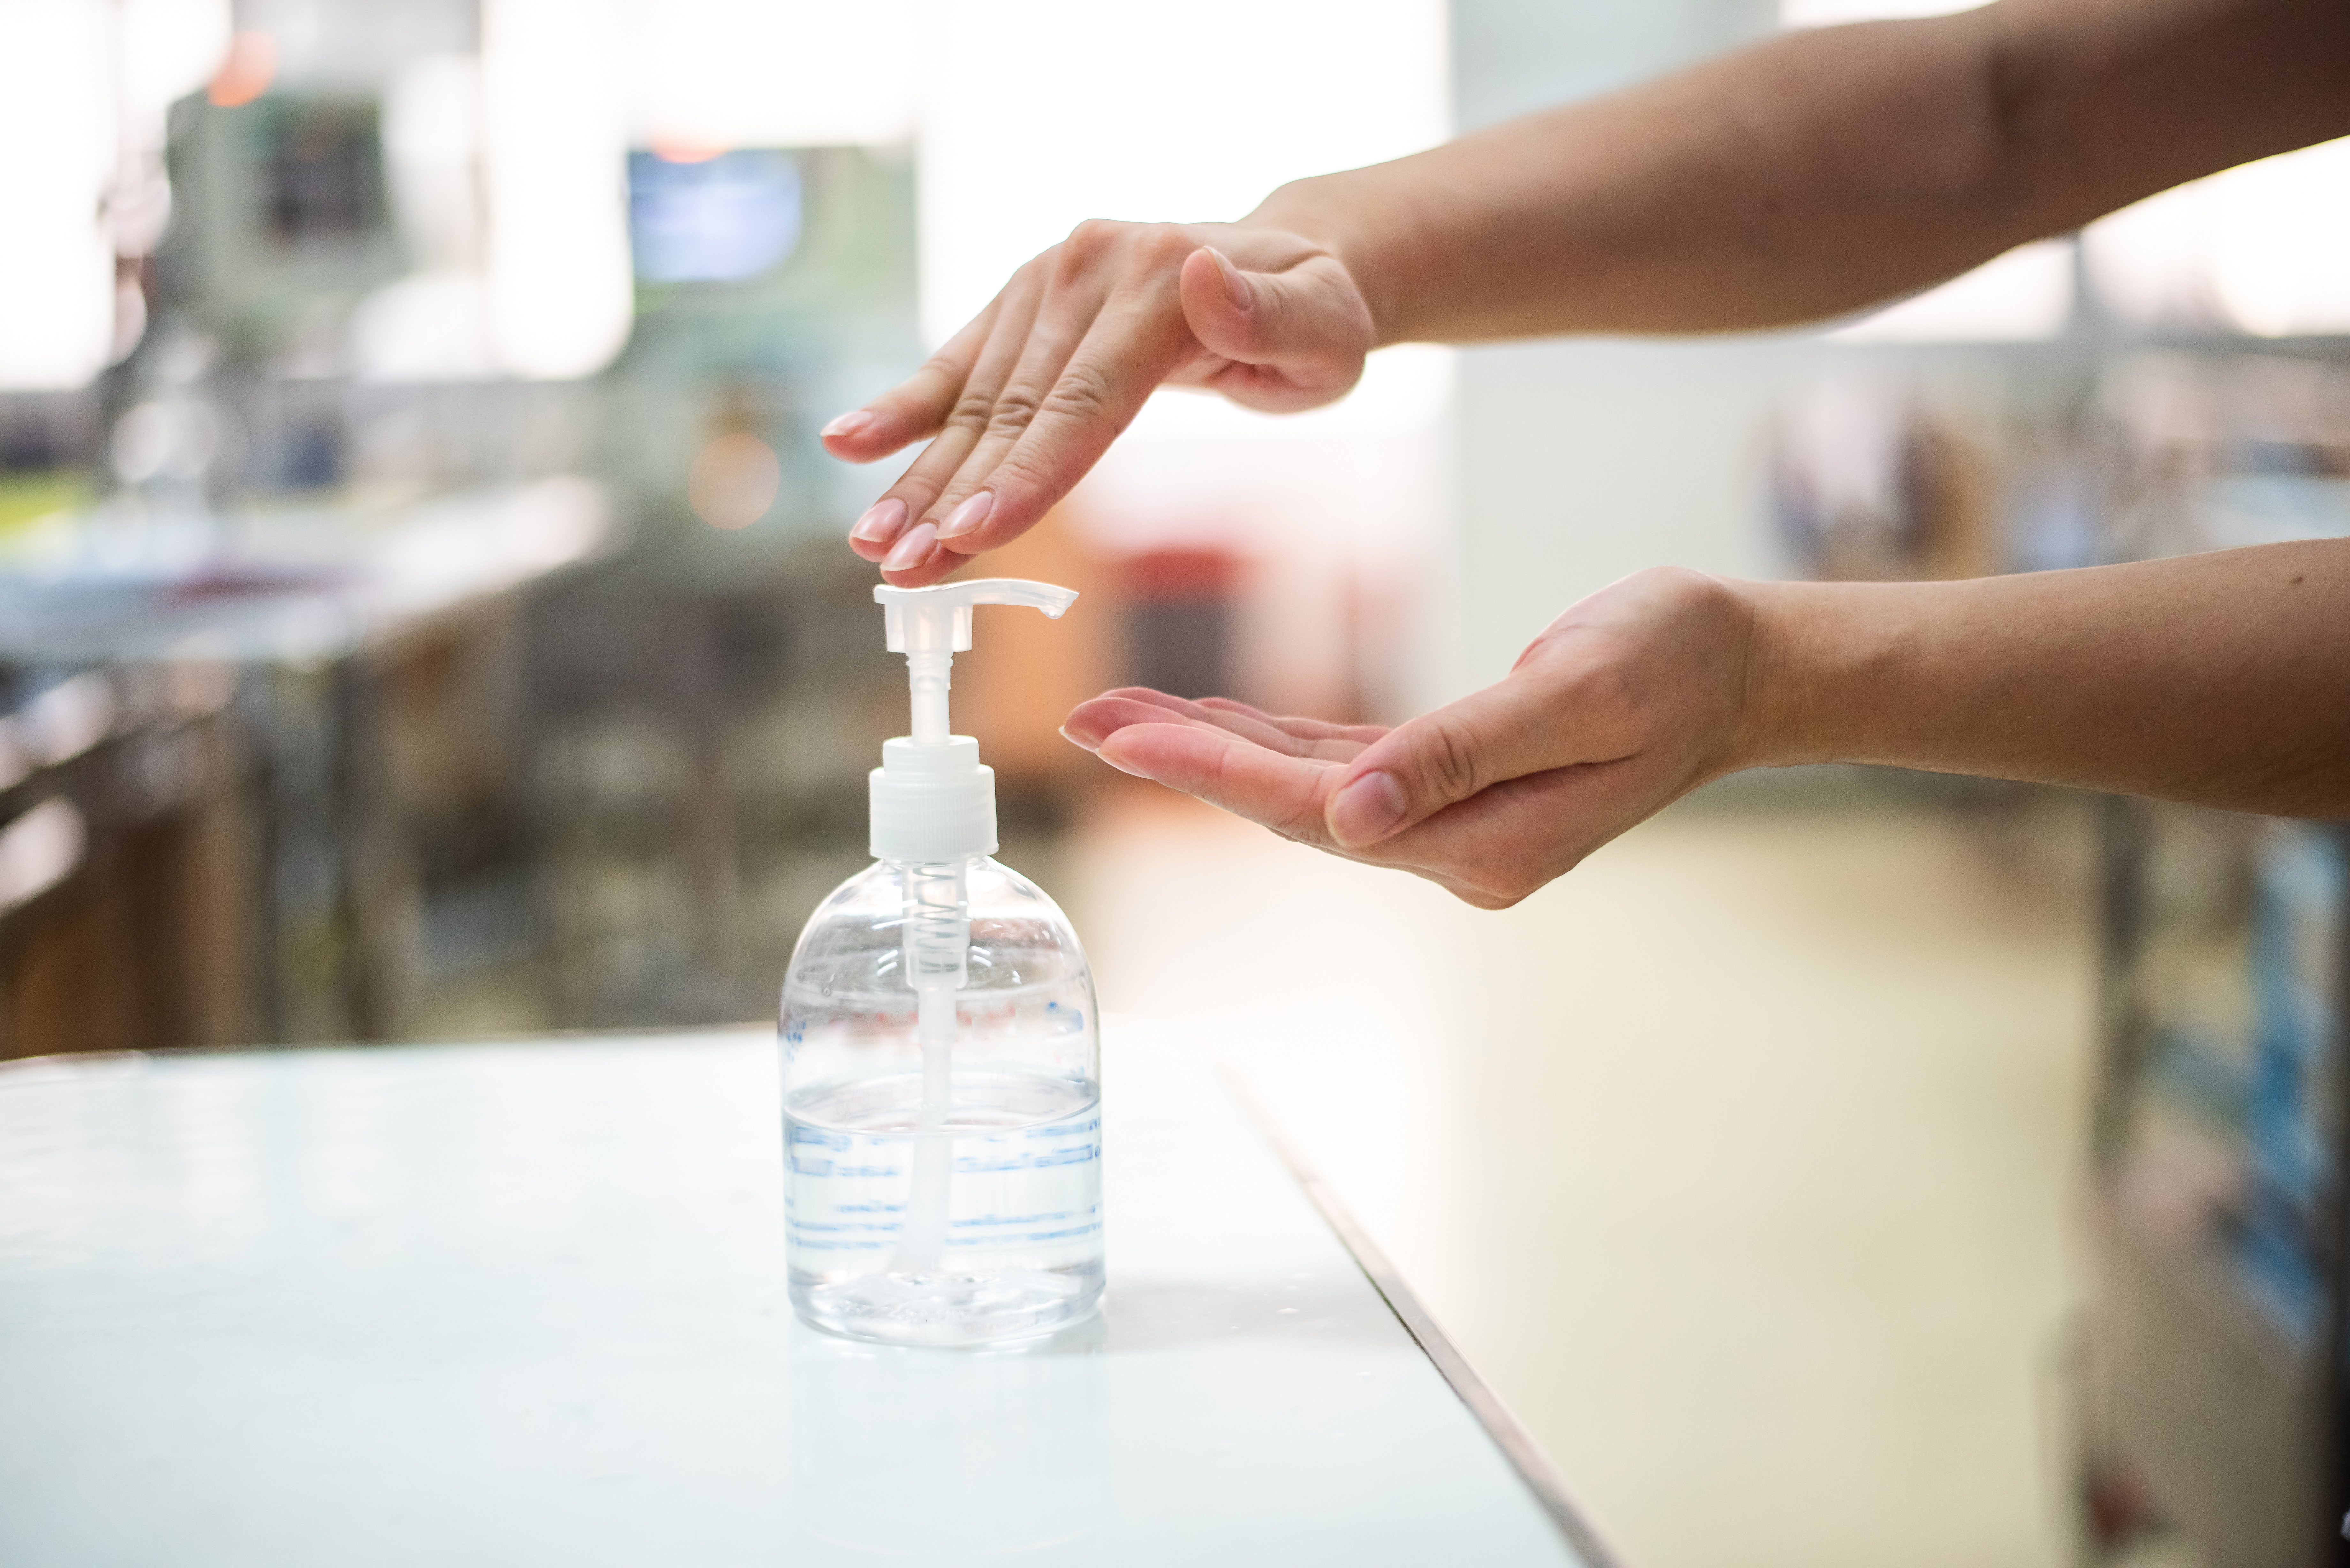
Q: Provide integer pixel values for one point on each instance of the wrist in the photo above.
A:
(1790, 631)
(1324, 209)
(1852, 672)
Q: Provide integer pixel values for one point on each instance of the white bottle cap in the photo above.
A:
(931, 798)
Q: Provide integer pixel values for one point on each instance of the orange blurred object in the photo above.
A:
(733, 481)
(1182, 575)
(687, 151)
(246, 71)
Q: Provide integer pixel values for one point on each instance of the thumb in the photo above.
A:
(1309, 319)
(1442, 758)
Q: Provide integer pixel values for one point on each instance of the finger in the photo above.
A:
(1418, 768)
(1511, 837)
(1491, 850)
(1295, 338)
(911, 556)
(1092, 722)
(1249, 726)
(1097, 719)
(921, 564)
(917, 488)
(1316, 729)
(1152, 694)
(1132, 345)
(875, 534)
(1275, 793)
(1282, 793)
(917, 406)
(1068, 311)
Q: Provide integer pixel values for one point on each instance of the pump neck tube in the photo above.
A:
(930, 672)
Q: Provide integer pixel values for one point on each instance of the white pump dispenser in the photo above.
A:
(942, 1049)
(932, 800)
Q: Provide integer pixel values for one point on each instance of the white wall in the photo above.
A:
(1581, 461)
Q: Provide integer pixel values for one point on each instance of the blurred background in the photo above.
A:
(423, 612)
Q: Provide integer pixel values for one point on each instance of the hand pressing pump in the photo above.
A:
(941, 1054)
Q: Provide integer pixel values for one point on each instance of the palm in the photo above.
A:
(1279, 771)
(1268, 769)
(1625, 701)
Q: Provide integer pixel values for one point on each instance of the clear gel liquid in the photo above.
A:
(1023, 1250)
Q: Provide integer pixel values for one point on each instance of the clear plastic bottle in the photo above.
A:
(961, 1217)
(941, 1056)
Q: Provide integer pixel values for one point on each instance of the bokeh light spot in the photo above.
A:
(733, 481)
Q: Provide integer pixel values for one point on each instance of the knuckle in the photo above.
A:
(1034, 477)
(1070, 261)
(1303, 822)
(1447, 756)
(939, 368)
(971, 411)
(1082, 394)
(1608, 686)
(1088, 240)
(1016, 409)
(1163, 244)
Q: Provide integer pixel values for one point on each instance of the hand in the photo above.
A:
(1627, 701)
(1024, 400)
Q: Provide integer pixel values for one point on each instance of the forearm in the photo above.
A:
(1823, 172)
(2221, 680)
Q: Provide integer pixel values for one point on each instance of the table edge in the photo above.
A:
(1534, 1468)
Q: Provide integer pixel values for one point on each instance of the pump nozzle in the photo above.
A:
(943, 611)
(932, 800)
(931, 626)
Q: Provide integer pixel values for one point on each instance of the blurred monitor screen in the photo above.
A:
(321, 170)
(719, 218)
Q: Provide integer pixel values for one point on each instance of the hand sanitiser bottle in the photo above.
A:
(941, 1055)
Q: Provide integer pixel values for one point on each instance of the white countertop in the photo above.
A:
(523, 1302)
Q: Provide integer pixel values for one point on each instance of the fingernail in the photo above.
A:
(880, 523)
(1124, 767)
(1367, 810)
(1236, 287)
(911, 551)
(1077, 741)
(967, 516)
(849, 423)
